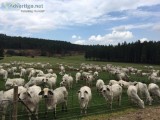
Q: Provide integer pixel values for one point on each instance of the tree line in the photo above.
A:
(137, 52)
(46, 47)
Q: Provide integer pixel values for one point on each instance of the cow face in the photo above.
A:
(46, 92)
(82, 94)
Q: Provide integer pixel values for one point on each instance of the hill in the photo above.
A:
(44, 46)
(137, 52)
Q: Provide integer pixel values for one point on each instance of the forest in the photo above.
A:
(46, 47)
(136, 52)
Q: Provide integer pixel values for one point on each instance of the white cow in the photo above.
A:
(35, 81)
(14, 81)
(122, 76)
(112, 92)
(62, 69)
(4, 73)
(67, 81)
(6, 98)
(51, 82)
(133, 95)
(55, 97)
(31, 99)
(84, 97)
(154, 90)
(99, 85)
(23, 72)
(143, 92)
(112, 82)
(89, 80)
(78, 76)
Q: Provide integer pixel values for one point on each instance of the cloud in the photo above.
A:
(76, 37)
(80, 42)
(149, 26)
(60, 14)
(143, 40)
(156, 27)
(142, 14)
(113, 38)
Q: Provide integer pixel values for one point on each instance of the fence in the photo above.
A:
(97, 106)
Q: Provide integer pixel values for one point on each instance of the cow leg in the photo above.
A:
(36, 113)
(54, 112)
(46, 114)
(63, 107)
(66, 106)
(119, 100)
(3, 115)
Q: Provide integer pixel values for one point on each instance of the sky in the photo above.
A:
(87, 22)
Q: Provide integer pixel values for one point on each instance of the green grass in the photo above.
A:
(97, 104)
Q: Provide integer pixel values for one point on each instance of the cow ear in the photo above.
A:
(41, 93)
(85, 92)
(101, 89)
(50, 92)
(108, 89)
(78, 91)
(135, 84)
(28, 94)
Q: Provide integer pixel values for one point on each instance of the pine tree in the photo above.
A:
(1, 53)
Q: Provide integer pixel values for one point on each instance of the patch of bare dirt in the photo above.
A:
(150, 113)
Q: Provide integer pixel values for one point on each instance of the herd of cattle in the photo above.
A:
(41, 84)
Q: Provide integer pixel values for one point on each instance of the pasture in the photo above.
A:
(97, 105)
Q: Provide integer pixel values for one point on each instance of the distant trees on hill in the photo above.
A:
(47, 47)
(1, 52)
(146, 52)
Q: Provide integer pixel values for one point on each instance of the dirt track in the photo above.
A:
(149, 113)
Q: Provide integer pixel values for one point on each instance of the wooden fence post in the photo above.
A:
(15, 102)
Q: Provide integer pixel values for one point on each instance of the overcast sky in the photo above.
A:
(82, 21)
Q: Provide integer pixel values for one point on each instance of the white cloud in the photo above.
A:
(60, 14)
(156, 27)
(143, 40)
(76, 37)
(149, 26)
(80, 42)
(142, 14)
(132, 26)
(113, 38)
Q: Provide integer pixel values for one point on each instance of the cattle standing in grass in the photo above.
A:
(31, 99)
(55, 97)
(133, 95)
(84, 97)
(143, 92)
(6, 98)
(15, 81)
(112, 92)
(154, 90)
(35, 81)
(99, 85)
